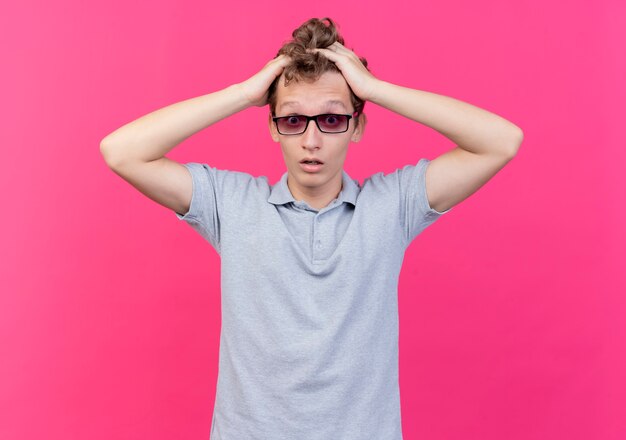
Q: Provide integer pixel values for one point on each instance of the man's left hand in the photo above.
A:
(360, 80)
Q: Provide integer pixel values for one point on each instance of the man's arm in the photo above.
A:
(485, 141)
(136, 151)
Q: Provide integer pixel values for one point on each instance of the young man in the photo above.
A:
(310, 265)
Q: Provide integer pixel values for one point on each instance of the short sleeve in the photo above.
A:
(204, 211)
(416, 213)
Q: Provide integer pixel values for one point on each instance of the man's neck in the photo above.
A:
(316, 198)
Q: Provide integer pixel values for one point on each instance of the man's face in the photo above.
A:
(329, 94)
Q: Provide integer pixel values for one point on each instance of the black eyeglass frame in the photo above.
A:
(314, 118)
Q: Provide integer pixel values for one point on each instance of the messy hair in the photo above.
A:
(309, 66)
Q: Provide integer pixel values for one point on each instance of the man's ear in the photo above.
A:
(272, 126)
(360, 128)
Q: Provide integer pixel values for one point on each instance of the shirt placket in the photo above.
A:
(321, 234)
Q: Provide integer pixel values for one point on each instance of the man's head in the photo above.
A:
(311, 85)
(309, 66)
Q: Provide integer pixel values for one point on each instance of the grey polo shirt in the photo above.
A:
(309, 337)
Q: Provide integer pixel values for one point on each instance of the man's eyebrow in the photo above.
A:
(327, 103)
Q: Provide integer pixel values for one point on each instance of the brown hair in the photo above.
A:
(309, 66)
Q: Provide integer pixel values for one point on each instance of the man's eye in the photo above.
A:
(331, 120)
(293, 120)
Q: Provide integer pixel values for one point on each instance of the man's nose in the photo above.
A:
(312, 136)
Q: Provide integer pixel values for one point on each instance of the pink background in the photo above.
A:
(511, 306)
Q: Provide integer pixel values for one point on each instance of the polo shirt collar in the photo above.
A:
(280, 193)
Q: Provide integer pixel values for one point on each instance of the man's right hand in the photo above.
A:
(255, 88)
(136, 151)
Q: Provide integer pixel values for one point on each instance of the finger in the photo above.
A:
(282, 60)
(338, 47)
(345, 51)
(333, 56)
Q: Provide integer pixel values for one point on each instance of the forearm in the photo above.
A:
(155, 134)
(468, 126)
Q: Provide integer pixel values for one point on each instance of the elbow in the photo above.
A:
(105, 151)
(516, 141)
(108, 153)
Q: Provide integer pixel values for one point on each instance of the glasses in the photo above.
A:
(327, 123)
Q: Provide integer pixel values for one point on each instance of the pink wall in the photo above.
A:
(511, 307)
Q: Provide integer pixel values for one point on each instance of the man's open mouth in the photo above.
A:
(312, 161)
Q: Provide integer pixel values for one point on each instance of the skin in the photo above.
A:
(320, 188)
(484, 142)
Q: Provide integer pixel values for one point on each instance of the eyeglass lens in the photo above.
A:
(329, 123)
